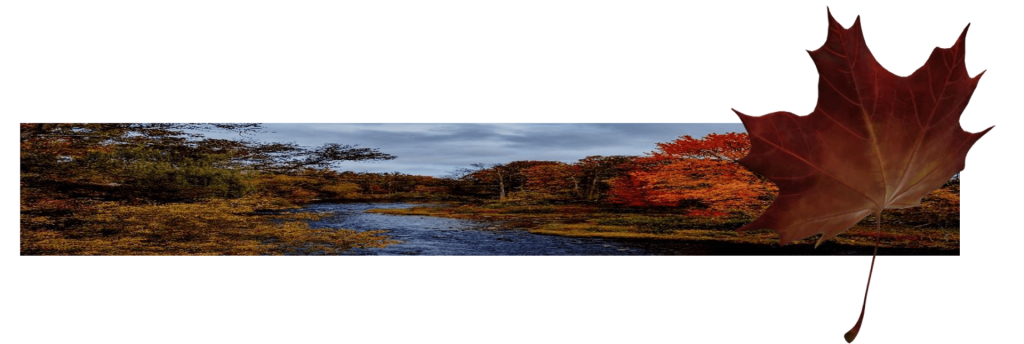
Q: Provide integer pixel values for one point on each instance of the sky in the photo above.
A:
(437, 149)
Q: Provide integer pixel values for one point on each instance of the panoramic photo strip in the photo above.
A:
(479, 189)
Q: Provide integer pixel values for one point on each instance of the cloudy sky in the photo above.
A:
(439, 148)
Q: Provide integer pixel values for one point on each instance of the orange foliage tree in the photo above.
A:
(697, 173)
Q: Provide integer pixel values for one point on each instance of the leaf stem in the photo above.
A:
(854, 332)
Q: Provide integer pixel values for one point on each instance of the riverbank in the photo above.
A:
(700, 234)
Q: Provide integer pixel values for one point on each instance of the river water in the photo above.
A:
(438, 236)
(424, 235)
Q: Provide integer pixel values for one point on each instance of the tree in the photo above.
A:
(496, 176)
(596, 173)
(461, 182)
(187, 138)
(290, 158)
(551, 180)
(162, 161)
(697, 173)
(587, 179)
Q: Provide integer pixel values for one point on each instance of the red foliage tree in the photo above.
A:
(699, 173)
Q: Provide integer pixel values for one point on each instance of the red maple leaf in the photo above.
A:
(874, 141)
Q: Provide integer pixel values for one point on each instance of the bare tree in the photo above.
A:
(500, 173)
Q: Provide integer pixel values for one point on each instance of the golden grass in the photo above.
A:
(214, 227)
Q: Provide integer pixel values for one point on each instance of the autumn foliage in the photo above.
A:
(157, 189)
(700, 174)
(132, 188)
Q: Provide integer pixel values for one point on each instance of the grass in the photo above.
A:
(592, 221)
(213, 227)
(669, 223)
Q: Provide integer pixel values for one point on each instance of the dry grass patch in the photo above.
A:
(214, 227)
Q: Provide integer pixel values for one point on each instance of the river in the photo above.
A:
(437, 236)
